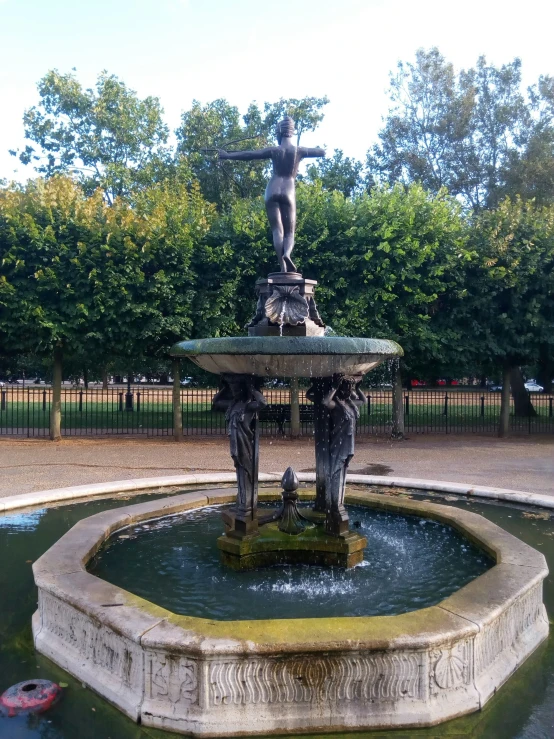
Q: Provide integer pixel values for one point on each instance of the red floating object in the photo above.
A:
(30, 696)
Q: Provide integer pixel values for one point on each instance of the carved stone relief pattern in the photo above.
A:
(97, 645)
(508, 627)
(171, 678)
(303, 680)
(451, 668)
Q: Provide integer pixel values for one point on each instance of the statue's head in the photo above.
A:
(285, 128)
(347, 387)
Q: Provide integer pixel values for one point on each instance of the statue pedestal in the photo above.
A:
(286, 307)
(314, 546)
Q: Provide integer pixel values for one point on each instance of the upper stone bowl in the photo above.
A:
(288, 356)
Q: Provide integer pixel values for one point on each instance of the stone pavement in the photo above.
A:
(525, 463)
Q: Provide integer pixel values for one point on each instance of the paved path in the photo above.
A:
(521, 464)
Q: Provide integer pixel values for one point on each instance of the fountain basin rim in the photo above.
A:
(75, 492)
(288, 356)
(71, 553)
(287, 345)
(434, 664)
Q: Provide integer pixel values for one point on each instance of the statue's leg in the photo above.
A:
(337, 518)
(274, 217)
(288, 217)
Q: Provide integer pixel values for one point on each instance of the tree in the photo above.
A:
(213, 126)
(106, 138)
(509, 307)
(389, 262)
(337, 173)
(81, 279)
(455, 131)
(307, 114)
(219, 124)
(530, 170)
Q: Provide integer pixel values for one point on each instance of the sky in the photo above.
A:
(245, 50)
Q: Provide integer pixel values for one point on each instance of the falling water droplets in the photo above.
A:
(282, 318)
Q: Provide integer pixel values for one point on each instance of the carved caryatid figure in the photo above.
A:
(280, 196)
(241, 399)
(343, 402)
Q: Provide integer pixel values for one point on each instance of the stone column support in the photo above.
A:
(337, 401)
(241, 398)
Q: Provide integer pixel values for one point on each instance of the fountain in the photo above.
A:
(286, 338)
(211, 677)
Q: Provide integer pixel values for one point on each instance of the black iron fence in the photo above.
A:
(148, 411)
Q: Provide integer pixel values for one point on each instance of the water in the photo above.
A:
(409, 563)
(282, 318)
(522, 709)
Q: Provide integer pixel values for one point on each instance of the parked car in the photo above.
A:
(186, 381)
(495, 388)
(533, 387)
(2, 384)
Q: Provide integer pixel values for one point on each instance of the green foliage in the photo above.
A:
(143, 246)
(219, 124)
(337, 173)
(306, 113)
(509, 306)
(460, 131)
(387, 263)
(214, 126)
(98, 281)
(106, 137)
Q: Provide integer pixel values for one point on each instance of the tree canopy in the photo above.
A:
(106, 138)
(444, 242)
(474, 132)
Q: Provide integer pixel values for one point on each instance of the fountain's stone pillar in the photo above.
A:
(286, 307)
(241, 398)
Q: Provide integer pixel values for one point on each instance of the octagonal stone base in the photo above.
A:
(270, 546)
(227, 678)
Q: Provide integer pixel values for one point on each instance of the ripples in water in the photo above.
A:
(409, 563)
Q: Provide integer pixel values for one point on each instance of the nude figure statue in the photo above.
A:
(280, 198)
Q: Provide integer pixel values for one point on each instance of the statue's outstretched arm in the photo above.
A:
(245, 155)
(317, 152)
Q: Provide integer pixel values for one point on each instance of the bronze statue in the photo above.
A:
(280, 197)
(343, 402)
(241, 399)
